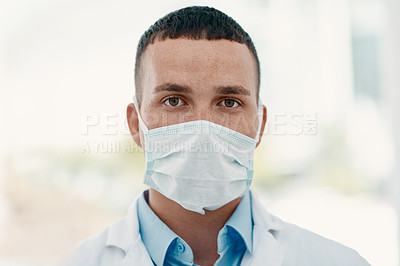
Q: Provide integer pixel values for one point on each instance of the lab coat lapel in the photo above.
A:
(125, 235)
(267, 251)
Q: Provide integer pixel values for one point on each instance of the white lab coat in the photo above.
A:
(274, 243)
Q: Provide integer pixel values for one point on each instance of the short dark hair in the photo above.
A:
(195, 22)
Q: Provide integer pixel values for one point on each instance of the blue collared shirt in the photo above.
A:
(167, 248)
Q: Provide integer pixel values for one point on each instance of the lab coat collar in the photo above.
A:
(262, 217)
(124, 234)
(267, 250)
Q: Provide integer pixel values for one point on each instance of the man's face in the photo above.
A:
(185, 80)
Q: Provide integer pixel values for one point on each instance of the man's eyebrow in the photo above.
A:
(172, 87)
(232, 90)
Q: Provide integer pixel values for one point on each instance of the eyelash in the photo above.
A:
(164, 101)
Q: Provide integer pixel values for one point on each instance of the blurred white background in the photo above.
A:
(330, 80)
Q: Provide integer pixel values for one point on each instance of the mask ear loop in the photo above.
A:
(260, 115)
(142, 125)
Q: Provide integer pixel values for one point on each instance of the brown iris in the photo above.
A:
(173, 101)
(229, 103)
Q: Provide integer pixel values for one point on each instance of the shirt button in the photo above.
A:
(181, 247)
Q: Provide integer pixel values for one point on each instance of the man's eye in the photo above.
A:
(173, 101)
(230, 103)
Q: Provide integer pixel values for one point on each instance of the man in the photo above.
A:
(198, 118)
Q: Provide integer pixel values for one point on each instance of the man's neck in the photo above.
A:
(199, 231)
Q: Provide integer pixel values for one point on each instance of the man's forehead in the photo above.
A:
(207, 60)
(192, 51)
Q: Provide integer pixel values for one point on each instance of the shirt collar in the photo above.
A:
(156, 235)
(242, 221)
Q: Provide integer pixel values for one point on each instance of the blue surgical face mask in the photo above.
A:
(199, 164)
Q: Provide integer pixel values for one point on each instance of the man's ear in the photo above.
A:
(133, 123)
(264, 121)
